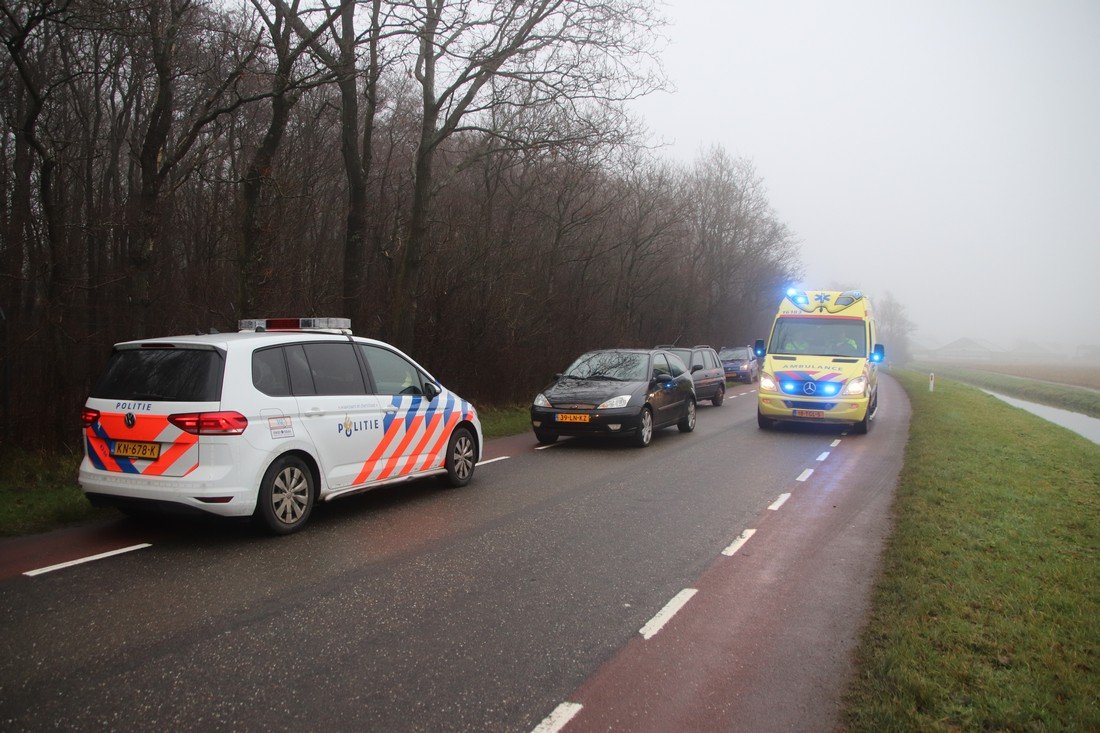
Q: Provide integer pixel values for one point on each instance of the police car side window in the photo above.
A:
(335, 369)
(269, 373)
(301, 380)
(392, 374)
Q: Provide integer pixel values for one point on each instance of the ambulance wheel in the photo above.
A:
(687, 424)
(286, 496)
(719, 396)
(461, 457)
(765, 423)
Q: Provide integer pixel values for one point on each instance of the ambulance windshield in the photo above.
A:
(819, 336)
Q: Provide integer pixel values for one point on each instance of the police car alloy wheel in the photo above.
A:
(461, 454)
(286, 496)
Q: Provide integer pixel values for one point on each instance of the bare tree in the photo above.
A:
(474, 57)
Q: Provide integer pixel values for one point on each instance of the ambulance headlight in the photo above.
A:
(541, 401)
(614, 402)
(767, 383)
(856, 387)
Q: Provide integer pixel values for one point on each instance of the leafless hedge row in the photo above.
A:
(460, 178)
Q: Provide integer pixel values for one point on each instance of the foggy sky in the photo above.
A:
(945, 151)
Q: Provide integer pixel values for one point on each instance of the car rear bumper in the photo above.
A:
(194, 492)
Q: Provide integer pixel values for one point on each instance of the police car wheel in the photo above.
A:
(286, 496)
(461, 457)
(687, 424)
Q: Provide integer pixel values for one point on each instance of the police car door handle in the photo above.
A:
(315, 412)
(391, 410)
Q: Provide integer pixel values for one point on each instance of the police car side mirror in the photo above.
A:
(759, 349)
(878, 354)
(432, 390)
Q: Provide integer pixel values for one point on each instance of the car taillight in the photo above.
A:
(210, 423)
(90, 416)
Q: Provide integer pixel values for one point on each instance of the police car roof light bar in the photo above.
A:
(294, 324)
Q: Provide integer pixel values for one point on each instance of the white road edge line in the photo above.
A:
(835, 443)
(544, 447)
(494, 460)
(823, 456)
(737, 543)
(100, 556)
(805, 474)
(779, 502)
(557, 719)
(657, 622)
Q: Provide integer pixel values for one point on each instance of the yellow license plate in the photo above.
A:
(572, 417)
(809, 413)
(132, 449)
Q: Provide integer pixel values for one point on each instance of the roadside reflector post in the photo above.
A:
(931, 382)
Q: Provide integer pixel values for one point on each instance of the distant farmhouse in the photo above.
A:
(976, 350)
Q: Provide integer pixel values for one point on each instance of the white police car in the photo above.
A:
(268, 421)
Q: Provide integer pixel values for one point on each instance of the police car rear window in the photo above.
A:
(165, 375)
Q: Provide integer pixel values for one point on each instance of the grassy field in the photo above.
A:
(986, 613)
(1075, 398)
(1074, 375)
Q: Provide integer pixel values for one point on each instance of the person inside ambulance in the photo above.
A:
(846, 345)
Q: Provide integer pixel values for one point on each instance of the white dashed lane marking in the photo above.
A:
(779, 502)
(657, 622)
(739, 542)
(90, 558)
(835, 443)
(823, 456)
(556, 720)
(805, 474)
(494, 460)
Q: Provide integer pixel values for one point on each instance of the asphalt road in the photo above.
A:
(487, 608)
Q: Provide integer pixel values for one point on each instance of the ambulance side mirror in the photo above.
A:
(878, 354)
(759, 349)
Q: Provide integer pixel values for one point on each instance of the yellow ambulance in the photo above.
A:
(821, 361)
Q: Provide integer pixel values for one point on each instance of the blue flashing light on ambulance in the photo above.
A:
(820, 361)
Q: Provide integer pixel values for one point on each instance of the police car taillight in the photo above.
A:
(210, 423)
(90, 416)
(294, 324)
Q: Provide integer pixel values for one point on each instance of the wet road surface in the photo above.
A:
(417, 607)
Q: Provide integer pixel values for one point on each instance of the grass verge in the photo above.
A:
(38, 492)
(496, 422)
(985, 614)
(1067, 397)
